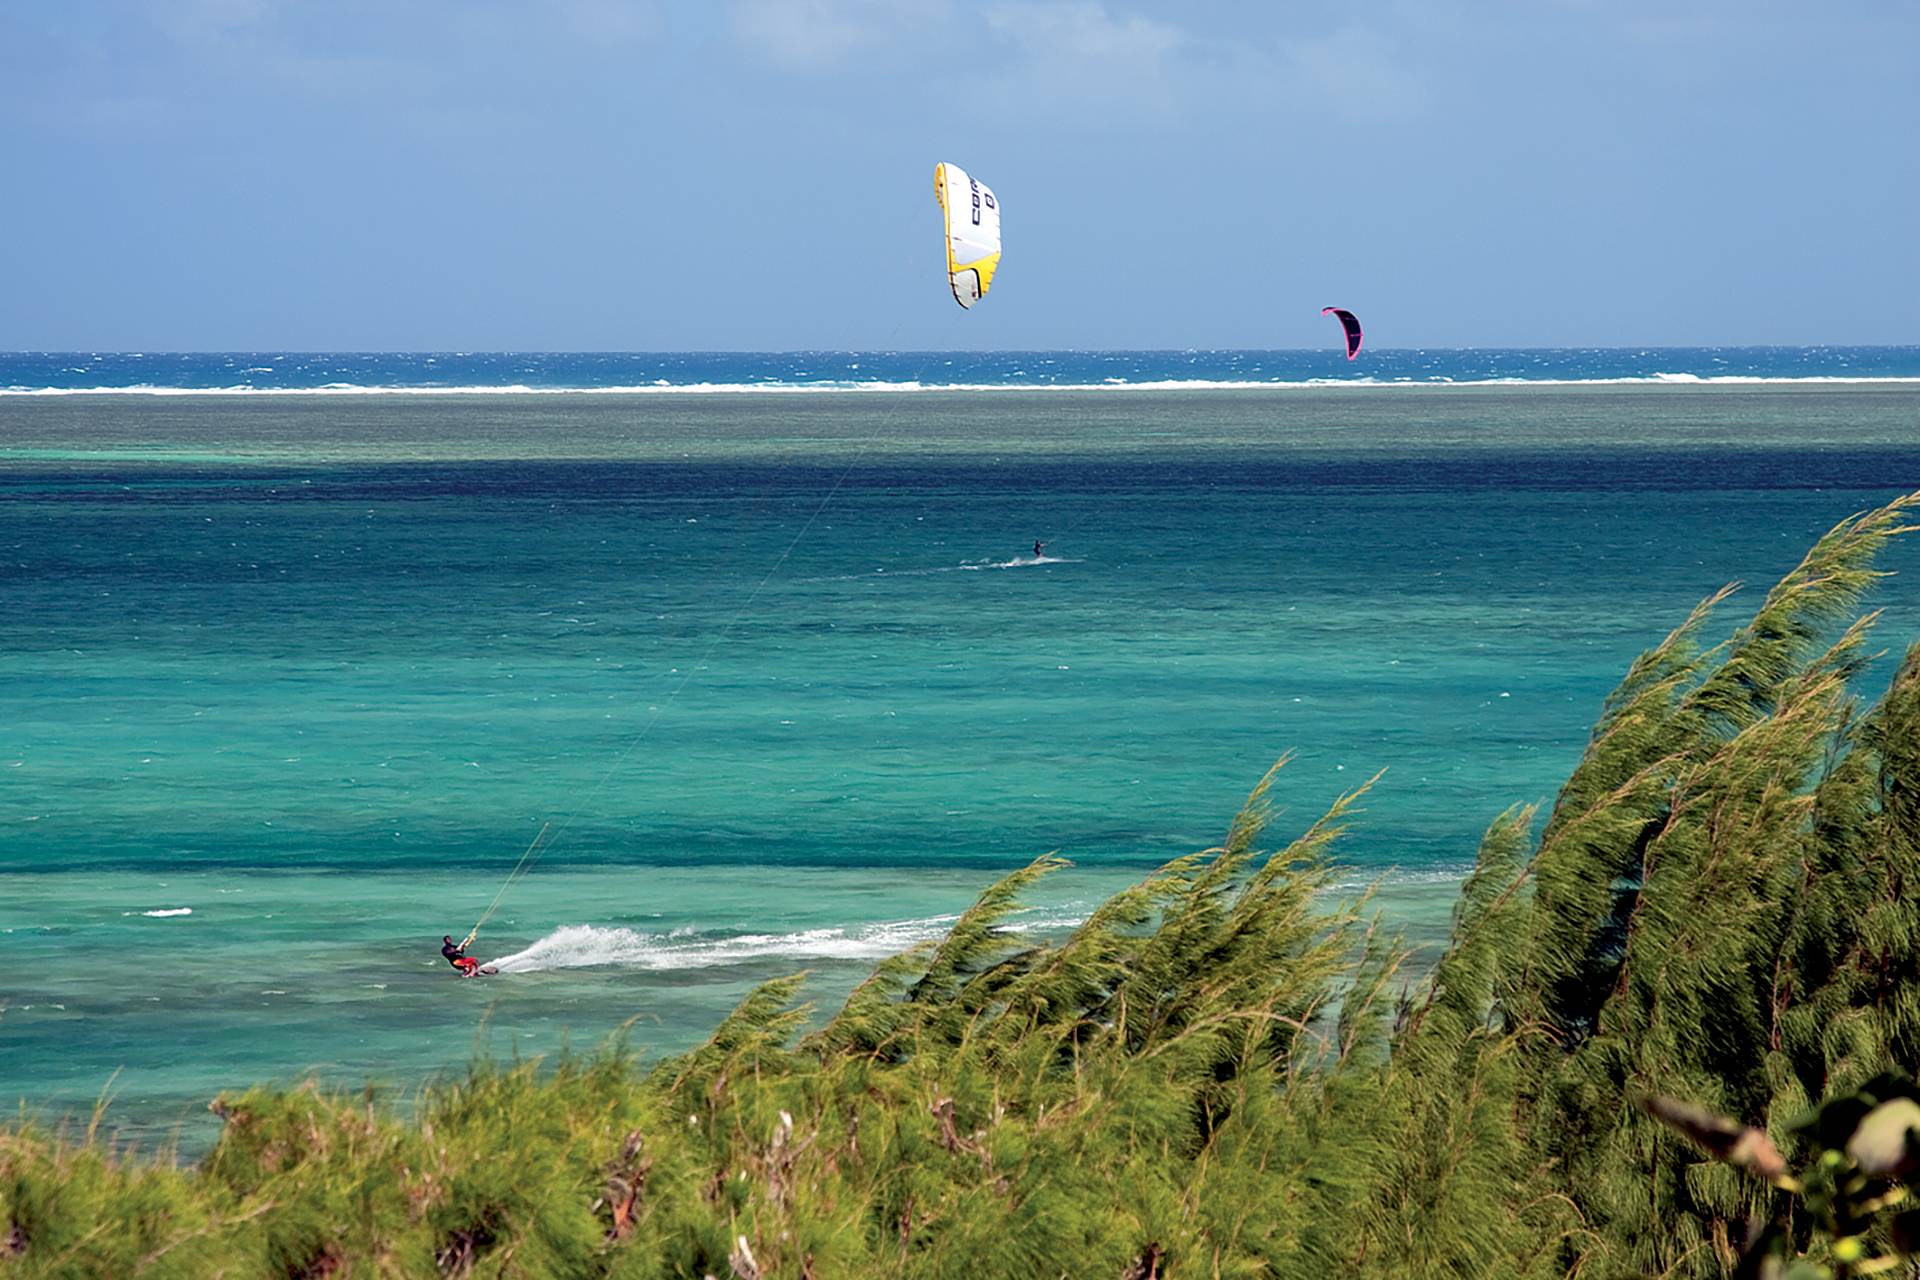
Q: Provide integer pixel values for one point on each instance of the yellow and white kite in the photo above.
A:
(973, 232)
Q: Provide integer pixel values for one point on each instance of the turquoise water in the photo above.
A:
(288, 683)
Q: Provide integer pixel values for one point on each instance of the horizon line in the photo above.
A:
(153, 353)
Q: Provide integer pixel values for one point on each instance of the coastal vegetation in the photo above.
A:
(1664, 1038)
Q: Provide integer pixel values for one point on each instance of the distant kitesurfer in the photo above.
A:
(456, 954)
(1039, 548)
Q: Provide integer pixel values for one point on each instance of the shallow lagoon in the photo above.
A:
(319, 668)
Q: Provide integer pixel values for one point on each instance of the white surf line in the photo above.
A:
(1368, 382)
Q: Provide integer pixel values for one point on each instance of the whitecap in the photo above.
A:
(1434, 383)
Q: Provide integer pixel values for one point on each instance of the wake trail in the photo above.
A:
(587, 946)
(965, 566)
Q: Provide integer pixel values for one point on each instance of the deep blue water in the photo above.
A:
(293, 371)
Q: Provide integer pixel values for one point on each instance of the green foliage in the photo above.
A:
(1224, 1071)
(1850, 1209)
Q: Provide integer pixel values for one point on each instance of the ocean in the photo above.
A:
(289, 681)
(487, 373)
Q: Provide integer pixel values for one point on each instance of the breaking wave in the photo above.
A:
(1430, 382)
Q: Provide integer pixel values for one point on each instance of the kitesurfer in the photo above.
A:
(1039, 548)
(456, 954)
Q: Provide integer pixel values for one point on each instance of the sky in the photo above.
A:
(758, 174)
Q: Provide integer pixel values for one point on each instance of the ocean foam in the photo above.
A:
(585, 946)
(1018, 562)
(970, 566)
(1436, 382)
(162, 912)
(582, 946)
(1399, 877)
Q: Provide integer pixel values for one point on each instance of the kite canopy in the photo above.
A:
(973, 232)
(1348, 322)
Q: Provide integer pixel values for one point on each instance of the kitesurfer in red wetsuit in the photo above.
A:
(455, 952)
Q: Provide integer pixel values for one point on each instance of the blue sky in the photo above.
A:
(757, 174)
